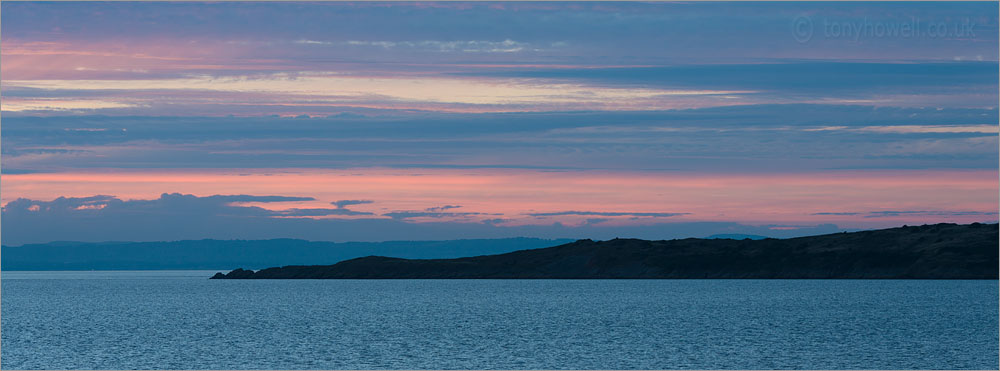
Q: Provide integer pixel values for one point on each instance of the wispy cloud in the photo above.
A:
(909, 213)
(606, 213)
(437, 212)
(465, 46)
(344, 203)
(892, 214)
(914, 129)
(319, 89)
(320, 212)
(443, 208)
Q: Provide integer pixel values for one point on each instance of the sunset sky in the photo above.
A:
(394, 121)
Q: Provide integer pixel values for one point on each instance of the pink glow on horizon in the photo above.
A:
(788, 199)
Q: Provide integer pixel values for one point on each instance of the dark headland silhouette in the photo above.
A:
(940, 251)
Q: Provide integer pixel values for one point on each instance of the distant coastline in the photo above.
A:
(252, 254)
(939, 251)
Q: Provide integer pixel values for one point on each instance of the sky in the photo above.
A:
(377, 121)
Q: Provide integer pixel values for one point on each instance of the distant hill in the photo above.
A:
(219, 254)
(941, 251)
(736, 236)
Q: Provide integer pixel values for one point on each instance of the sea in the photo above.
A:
(183, 320)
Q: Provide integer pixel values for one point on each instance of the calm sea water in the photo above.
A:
(182, 320)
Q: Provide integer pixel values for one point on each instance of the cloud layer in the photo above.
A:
(748, 138)
(263, 58)
(488, 119)
(177, 216)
